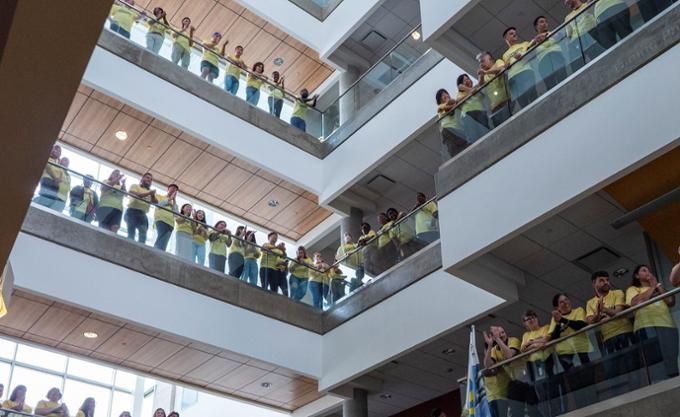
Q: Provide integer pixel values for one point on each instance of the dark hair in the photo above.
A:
(88, 407)
(636, 281)
(173, 413)
(185, 18)
(174, 185)
(530, 313)
(302, 248)
(13, 395)
(436, 412)
(537, 19)
(147, 173)
(157, 9)
(484, 53)
(505, 32)
(276, 72)
(598, 274)
(181, 210)
(239, 46)
(159, 408)
(220, 221)
(203, 219)
(392, 210)
(250, 237)
(365, 224)
(556, 298)
(256, 64)
(439, 95)
(461, 78)
(271, 233)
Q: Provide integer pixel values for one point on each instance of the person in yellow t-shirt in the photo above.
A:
(386, 253)
(164, 218)
(475, 119)
(352, 256)
(184, 232)
(299, 274)
(494, 88)
(654, 324)
(234, 67)
(269, 274)
(427, 219)
(299, 117)
(52, 407)
(524, 392)
(336, 284)
(276, 94)
(521, 79)
(367, 243)
(251, 253)
(83, 201)
(87, 409)
(64, 185)
(613, 21)
(402, 234)
(50, 180)
(581, 28)
(122, 17)
(135, 215)
(552, 66)
(110, 209)
(199, 237)
(498, 347)
(450, 125)
(210, 61)
(184, 40)
(157, 25)
(318, 281)
(282, 267)
(235, 259)
(254, 83)
(220, 240)
(17, 400)
(536, 336)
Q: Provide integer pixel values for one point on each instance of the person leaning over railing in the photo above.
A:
(402, 235)
(276, 94)
(210, 62)
(235, 260)
(64, 186)
(582, 31)
(184, 232)
(164, 220)
(386, 250)
(282, 267)
(302, 103)
(49, 181)
(236, 64)
(254, 83)
(181, 47)
(157, 26)
(654, 326)
(87, 409)
(353, 258)
(496, 90)
(521, 78)
(318, 286)
(299, 274)
(198, 237)
(110, 209)
(336, 284)
(426, 219)
(17, 400)
(270, 256)
(83, 201)
(220, 239)
(251, 254)
(51, 407)
(551, 63)
(122, 18)
(135, 215)
(450, 125)
(539, 363)
(498, 347)
(475, 120)
(368, 244)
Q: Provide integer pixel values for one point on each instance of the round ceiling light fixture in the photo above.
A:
(415, 35)
(385, 396)
(90, 334)
(121, 135)
(449, 351)
(266, 384)
(273, 203)
(278, 61)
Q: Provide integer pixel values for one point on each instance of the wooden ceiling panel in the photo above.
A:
(251, 192)
(220, 153)
(92, 120)
(240, 377)
(280, 194)
(298, 73)
(133, 166)
(267, 176)
(262, 45)
(213, 369)
(56, 324)
(149, 147)
(196, 10)
(244, 165)
(170, 6)
(220, 19)
(109, 101)
(292, 187)
(203, 170)
(176, 159)
(256, 388)
(83, 89)
(239, 212)
(209, 199)
(241, 33)
(295, 212)
(122, 122)
(22, 314)
(289, 56)
(78, 100)
(295, 43)
(289, 392)
(170, 130)
(185, 361)
(124, 343)
(137, 114)
(305, 399)
(275, 31)
(193, 141)
(253, 18)
(312, 220)
(227, 181)
(317, 77)
(155, 352)
(233, 5)
(103, 329)
(77, 142)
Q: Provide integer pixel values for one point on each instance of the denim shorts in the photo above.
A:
(213, 69)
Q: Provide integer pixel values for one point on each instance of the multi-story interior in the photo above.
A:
(554, 164)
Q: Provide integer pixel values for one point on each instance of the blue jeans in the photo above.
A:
(231, 84)
(48, 202)
(164, 231)
(119, 30)
(275, 106)
(154, 41)
(298, 287)
(183, 245)
(198, 252)
(136, 222)
(299, 123)
(249, 273)
(235, 262)
(252, 95)
(180, 56)
(217, 262)
(316, 289)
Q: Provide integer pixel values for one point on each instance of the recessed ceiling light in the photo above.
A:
(273, 203)
(415, 35)
(385, 396)
(449, 351)
(620, 272)
(90, 335)
(121, 135)
(266, 384)
(278, 61)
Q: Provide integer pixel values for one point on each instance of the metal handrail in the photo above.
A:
(587, 328)
(175, 214)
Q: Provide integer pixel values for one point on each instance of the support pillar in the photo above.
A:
(352, 224)
(349, 102)
(357, 406)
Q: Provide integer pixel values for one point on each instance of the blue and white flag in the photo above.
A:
(475, 399)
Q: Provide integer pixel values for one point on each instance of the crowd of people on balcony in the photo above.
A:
(511, 82)
(124, 15)
(52, 405)
(236, 254)
(622, 346)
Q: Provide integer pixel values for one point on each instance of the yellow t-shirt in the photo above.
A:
(123, 16)
(272, 258)
(182, 39)
(548, 46)
(139, 203)
(211, 54)
(9, 404)
(219, 245)
(276, 93)
(183, 225)
(112, 197)
(316, 276)
(495, 90)
(653, 315)
(64, 186)
(88, 201)
(80, 413)
(613, 299)
(451, 120)
(384, 234)
(156, 27)
(251, 252)
(353, 261)
(232, 69)
(509, 58)
(165, 216)
(602, 5)
(425, 220)
(300, 270)
(497, 385)
(52, 171)
(48, 405)
(472, 103)
(576, 344)
(368, 236)
(254, 81)
(300, 109)
(531, 335)
(584, 23)
(200, 233)
(237, 246)
(402, 232)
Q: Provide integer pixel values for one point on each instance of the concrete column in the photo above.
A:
(357, 406)
(349, 102)
(352, 224)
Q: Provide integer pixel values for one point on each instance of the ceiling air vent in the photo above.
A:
(597, 260)
(373, 40)
(380, 184)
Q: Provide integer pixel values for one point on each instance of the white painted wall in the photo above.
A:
(96, 285)
(324, 37)
(608, 137)
(383, 135)
(131, 84)
(439, 15)
(430, 307)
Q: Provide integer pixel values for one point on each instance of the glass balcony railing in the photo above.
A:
(570, 363)
(268, 96)
(317, 8)
(404, 54)
(531, 69)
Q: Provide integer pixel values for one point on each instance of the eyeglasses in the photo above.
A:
(529, 318)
